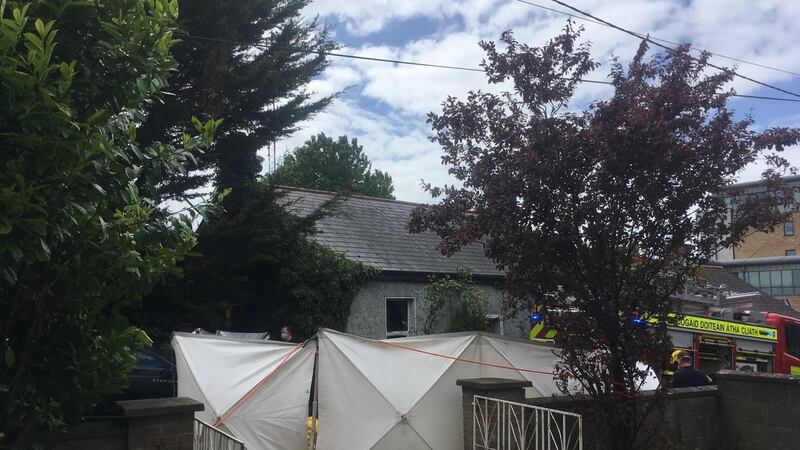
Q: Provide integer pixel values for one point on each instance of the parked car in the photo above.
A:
(153, 376)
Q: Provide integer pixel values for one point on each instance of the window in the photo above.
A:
(792, 333)
(398, 313)
(775, 278)
(786, 276)
(790, 252)
(788, 228)
(495, 323)
(763, 279)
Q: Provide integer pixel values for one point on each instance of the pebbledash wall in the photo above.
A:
(368, 311)
(745, 410)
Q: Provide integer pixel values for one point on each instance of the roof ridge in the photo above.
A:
(358, 196)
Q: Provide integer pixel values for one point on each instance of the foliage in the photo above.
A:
(598, 210)
(257, 270)
(337, 166)
(77, 241)
(247, 62)
(457, 301)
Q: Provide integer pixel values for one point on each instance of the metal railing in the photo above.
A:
(504, 425)
(206, 437)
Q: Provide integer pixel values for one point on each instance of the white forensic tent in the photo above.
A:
(402, 393)
(372, 394)
(259, 388)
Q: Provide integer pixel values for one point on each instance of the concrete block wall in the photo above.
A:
(688, 419)
(107, 434)
(151, 424)
(691, 417)
(759, 411)
(744, 410)
(164, 424)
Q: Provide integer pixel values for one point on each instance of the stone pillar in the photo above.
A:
(499, 388)
(162, 423)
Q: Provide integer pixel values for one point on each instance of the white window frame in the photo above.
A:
(412, 315)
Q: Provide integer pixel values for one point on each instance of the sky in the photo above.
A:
(385, 105)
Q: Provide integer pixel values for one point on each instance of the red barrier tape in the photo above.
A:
(470, 361)
(255, 388)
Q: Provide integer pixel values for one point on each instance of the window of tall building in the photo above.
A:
(774, 282)
(788, 228)
(790, 252)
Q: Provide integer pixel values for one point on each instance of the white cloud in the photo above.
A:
(394, 143)
(396, 139)
(365, 17)
(337, 77)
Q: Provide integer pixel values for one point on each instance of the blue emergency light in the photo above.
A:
(535, 317)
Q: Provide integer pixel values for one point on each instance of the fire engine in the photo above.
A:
(771, 345)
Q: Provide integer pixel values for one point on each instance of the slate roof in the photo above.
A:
(719, 276)
(373, 231)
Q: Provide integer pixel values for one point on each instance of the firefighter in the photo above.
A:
(686, 375)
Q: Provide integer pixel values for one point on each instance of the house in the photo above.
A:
(373, 231)
(767, 261)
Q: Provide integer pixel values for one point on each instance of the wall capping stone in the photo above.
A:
(757, 377)
(492, 384)
(159, 406)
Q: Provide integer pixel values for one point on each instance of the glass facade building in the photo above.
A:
(774, 282)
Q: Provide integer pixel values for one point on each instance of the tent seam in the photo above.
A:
(504, 355)
(375, 388)
(191, 373)
(452, 362)
(255, 388)
(470, 361)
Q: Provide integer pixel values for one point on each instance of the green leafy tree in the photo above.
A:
(246, 62)
(77, 240)
(455, 301)
(257, 270)
(333, 165)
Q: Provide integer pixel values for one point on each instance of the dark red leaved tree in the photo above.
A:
(607, 210)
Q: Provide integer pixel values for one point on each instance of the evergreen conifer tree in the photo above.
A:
(247, 62)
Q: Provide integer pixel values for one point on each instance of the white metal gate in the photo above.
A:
(504, 425)
(207, 437)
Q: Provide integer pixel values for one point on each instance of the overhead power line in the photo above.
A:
(431, 65)
(672, 50)
(408, 63)
(732, 58)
